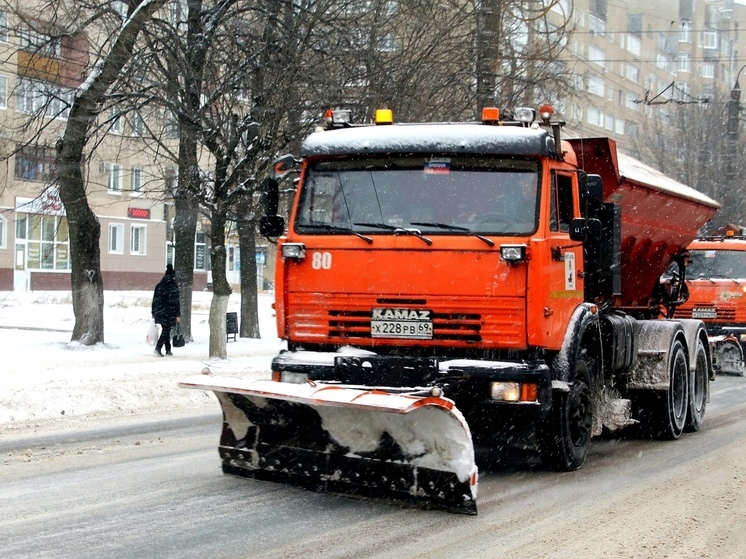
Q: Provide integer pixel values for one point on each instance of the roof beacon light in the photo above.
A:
(340, 117)
(526, 115)
(490, 115)
(546, 112)
(384, 116)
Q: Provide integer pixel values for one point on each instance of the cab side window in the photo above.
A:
(561, 203)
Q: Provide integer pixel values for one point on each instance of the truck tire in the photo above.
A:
(663, 413)
(698, 389)
(564, 438)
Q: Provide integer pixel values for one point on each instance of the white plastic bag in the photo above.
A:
(152, 335)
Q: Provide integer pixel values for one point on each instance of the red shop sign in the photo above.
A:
(138, 213)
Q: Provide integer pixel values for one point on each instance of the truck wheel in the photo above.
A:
(564, 439)
(698, 389)
(663, 413)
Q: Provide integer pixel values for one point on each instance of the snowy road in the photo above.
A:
(157, 491)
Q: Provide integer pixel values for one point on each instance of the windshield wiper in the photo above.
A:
(449, 227)
(337, 228)
(406, 230)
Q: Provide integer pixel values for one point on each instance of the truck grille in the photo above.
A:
(463, 321)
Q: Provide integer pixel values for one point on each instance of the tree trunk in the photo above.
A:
(185, 227)
(220, 286)
(249, 308)
(85, 252)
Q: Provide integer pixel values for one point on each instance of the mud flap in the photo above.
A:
(366, 443)
(727, 355)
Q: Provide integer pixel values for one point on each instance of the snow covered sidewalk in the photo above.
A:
(47, 381)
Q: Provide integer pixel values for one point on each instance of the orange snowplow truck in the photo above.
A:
(716, 284)
(447, 286)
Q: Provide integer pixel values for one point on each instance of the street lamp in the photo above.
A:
(733, 105)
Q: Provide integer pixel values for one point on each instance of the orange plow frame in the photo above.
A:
(366, 443)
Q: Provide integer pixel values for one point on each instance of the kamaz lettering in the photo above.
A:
(400, 314)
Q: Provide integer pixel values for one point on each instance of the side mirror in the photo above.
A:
(591, 194)
(282, 166)
(584, 229)
(271, 225)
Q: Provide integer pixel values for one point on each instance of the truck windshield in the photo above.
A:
(434, 194)
(729, 264)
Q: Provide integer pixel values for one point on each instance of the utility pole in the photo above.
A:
(487, 53)
(731, 198)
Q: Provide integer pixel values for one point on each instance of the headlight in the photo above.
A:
(514, 391)
(293, 378)
(294, 251)
(526, 115)
(513, 253)
(505, 391)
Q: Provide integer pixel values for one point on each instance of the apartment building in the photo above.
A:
(128, 183)
(635, 60)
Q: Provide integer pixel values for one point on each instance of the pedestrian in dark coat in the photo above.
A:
(166, 309)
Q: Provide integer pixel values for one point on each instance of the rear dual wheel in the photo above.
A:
(663, 414)
(698, 388)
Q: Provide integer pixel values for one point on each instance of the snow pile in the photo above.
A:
(47, 380)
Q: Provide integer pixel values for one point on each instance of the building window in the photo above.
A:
(138, 124)
(709, 40)
(685, 32)
(35, 163)
(708, 70)
(597, 55)
(137, 239)
(115, 120)
(47, 241)
(630, 101)
(172, 126)
(596, 86)
(595, 117)
(685, 63)
(3, 92)
(633, 44)
(177, 12)
(39, 43)
(136, 180)
(34, 97)
(3, 26)
(115, 177)
(116, 238)
(171, 179)
(3, 232)
(632, 73)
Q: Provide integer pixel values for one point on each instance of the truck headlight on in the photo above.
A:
(294, 251)
(513, 254)
(289, 377)
(514, 391)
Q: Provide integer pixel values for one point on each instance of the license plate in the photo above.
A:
(401, 323)
(704, 312)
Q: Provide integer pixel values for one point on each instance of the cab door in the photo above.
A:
(565, 265)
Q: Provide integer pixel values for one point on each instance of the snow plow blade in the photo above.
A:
(365, 443)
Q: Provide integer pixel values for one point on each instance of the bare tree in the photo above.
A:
(688, 139)
(68, 23)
